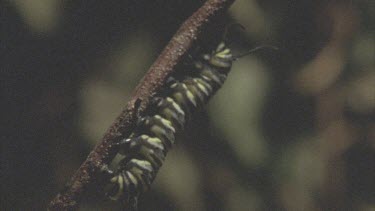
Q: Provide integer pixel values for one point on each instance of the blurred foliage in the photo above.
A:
(290, 130)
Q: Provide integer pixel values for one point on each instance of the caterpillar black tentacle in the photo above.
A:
(154, 134)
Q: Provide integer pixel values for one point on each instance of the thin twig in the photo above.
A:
(104, 151)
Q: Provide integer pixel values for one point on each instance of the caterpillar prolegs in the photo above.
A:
(154, 134)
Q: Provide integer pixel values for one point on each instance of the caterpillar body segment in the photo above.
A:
(213, 77)
(201, 95)
(145, 147)
(158, 127)
(182, 96)
(170, 110)
(143, 171)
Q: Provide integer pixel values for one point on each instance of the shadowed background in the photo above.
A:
(290, 130)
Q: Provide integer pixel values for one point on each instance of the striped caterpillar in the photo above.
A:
(154, 135)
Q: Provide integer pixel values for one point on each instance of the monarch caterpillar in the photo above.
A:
(154, 135)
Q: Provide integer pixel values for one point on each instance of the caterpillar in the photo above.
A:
(154, 135)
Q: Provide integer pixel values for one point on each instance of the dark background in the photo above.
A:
(290, 130)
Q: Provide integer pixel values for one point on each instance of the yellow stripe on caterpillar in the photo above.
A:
(168, 124)
(175, 105)
(189, 95)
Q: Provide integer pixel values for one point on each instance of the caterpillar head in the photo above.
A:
(115, 188)
(221, 57)
(121, 186)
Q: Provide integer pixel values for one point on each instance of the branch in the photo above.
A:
(104, 151)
